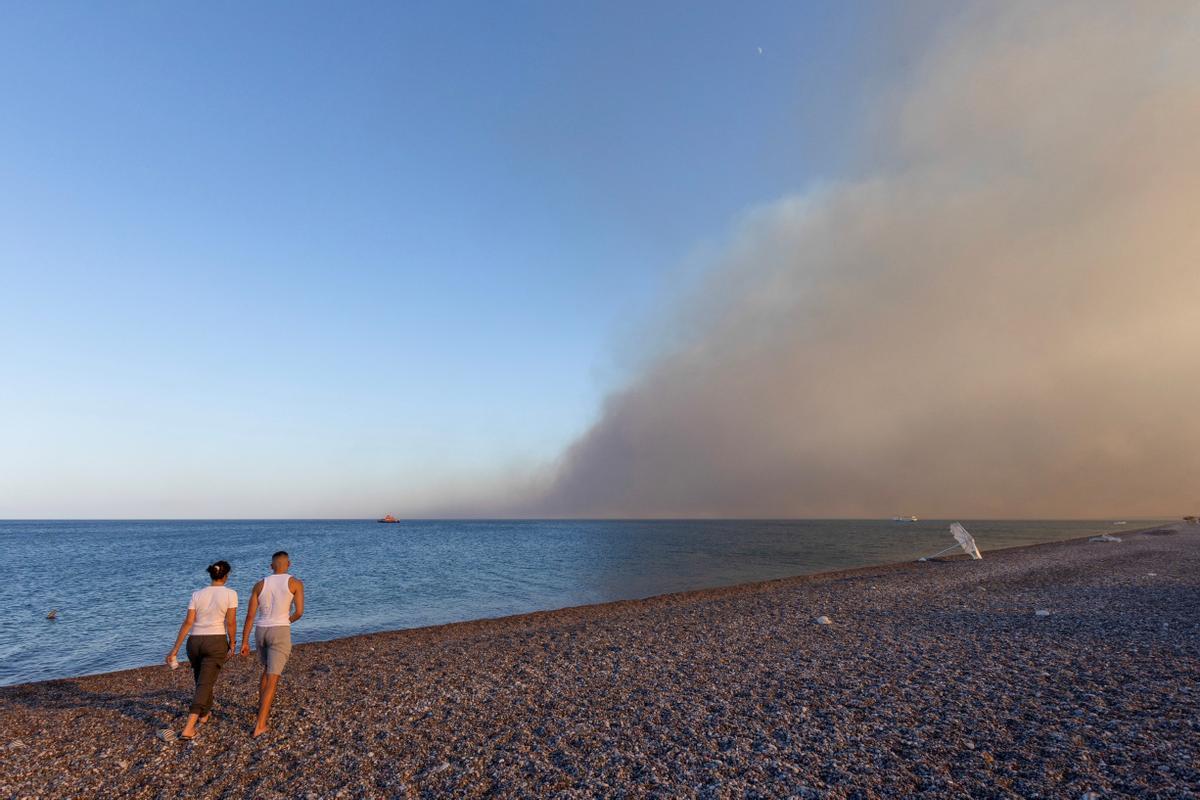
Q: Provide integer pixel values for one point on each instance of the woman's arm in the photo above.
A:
(231, 629)
(251, 609)
(183, 631)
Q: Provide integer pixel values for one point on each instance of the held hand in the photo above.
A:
(170, 657)
(232, 652)
(245, 648)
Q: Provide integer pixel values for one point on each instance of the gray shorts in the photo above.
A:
(274, 645)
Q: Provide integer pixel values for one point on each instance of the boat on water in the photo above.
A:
(388, 518)
(1121, 522)
(913, 518)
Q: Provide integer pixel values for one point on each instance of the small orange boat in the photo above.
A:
(388, 518)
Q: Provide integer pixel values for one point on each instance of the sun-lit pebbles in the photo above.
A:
(930, 688)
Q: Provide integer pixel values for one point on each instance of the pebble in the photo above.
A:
(823, 620)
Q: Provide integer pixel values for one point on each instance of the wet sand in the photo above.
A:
(934, 679)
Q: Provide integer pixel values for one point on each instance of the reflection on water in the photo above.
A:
(121, 588)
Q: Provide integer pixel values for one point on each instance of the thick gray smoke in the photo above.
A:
(1003, 319)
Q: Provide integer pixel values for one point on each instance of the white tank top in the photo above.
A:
(274, 602)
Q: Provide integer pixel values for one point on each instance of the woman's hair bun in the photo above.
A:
(218, 570)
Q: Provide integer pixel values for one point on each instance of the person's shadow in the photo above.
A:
(157, 706)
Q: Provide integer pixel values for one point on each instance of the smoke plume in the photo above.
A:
(1000, 318)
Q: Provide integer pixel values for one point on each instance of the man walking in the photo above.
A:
(273, 598)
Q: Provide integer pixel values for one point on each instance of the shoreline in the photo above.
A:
(666, 597)
(935, 678)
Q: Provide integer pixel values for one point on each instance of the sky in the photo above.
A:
(532, 259)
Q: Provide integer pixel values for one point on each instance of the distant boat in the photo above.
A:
(1122, 522)
(913, 518)
(388, 518)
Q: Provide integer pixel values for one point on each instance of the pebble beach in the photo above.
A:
(1064, 670)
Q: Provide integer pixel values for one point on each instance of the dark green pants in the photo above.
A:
(207, 655)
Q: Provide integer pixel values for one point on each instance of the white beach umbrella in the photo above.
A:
(964, 540)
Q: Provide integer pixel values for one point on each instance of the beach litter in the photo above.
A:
(167, 735)
(824, 620)
(1104, 537)
(964, 540)
(1042, 612)
(53, 614)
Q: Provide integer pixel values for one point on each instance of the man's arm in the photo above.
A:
(251, 610)
(297, 587)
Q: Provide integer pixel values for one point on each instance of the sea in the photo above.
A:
(121, 588)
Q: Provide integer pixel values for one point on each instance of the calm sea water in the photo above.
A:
(121, 588)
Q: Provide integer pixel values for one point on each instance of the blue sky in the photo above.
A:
(297, 259)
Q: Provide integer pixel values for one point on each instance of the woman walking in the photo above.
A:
(212, 619)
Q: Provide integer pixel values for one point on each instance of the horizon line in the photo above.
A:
(582, 519)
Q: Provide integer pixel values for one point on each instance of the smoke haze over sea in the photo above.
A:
(996, 317)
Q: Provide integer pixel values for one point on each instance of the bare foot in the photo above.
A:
(203, 720)
(189, 729)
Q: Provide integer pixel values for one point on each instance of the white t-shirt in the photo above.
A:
(210, 604)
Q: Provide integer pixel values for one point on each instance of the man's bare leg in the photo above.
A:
(189, 729)
(266, 696)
